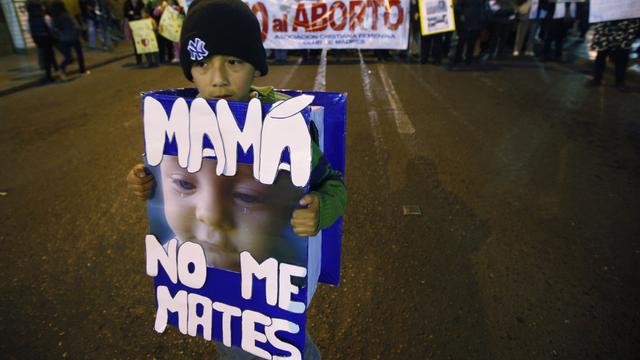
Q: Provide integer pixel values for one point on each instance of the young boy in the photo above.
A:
(221, 51)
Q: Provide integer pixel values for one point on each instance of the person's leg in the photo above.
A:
(78, 46)
(425, 48)
(138, 56)
(462, 38)
(437, 44)
(46, 49)
(311, 351)
(471, 46)
(549, 35)
(104, 29)
(493, 39)
(91, 29)
(281, 56)
(161, 47)
(521, 32)
(532, 38)
(599, 66)
(65, 49)
(169, 45)
(621, 58)
(446, 44)
(176, 52)
(561, 34)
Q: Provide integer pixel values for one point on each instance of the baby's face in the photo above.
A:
(230, 214)
(223, 77)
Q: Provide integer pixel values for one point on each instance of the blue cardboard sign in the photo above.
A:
(225, 261)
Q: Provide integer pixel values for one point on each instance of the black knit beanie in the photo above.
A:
(221, 27)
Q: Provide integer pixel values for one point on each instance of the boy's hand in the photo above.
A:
(140, 182)
(305, 220)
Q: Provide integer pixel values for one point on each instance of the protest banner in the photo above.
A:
(436, 16)
(170, 24)
(609, 10)
(144, 36)
(225, 261)
(335, 24)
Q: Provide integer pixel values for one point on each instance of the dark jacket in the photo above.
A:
(549, 7)
(39, 30)
(505, 11)
(65, 28)
(473, 14)
(133, 12)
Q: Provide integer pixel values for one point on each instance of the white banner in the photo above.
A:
(607, 10)
(333, 24)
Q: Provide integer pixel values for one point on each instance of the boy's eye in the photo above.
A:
(236, 62)
(200, 63)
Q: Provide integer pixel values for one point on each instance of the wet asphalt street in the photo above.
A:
(527, 248)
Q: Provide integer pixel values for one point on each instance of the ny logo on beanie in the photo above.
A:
(197, 50)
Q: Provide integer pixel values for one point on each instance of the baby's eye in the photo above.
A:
(245, 198)
(186, 185)
(182, 184)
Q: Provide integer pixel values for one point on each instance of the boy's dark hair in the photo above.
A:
(221, 27)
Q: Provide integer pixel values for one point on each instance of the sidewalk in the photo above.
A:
(21, 71)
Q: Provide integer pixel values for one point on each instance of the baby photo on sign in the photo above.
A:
(225, 206)
(227, 215)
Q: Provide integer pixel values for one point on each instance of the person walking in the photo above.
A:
(68, 36)
(103, 17)
(536, 14)
(524, 26)
(132, 12)
(558, 21)
(473, 16)
(165, 46)
(501, 22)
(87, 9)
(42, 36)
(614, 39)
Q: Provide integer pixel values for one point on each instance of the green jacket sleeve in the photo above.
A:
(325, 181)
(328, 184)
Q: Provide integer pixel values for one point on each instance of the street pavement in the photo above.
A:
(527, 245)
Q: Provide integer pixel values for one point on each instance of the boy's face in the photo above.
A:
(230, 214)
(223, 77)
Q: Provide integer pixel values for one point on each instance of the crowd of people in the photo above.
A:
(53, 27)
(95, 26)
(168, 51)
(485, 30)
(490, 29)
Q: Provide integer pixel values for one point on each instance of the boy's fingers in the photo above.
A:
(302, 222)
(140, 188)
(136, 181)
(307, 200)
(305, 231)
(140, 195)
(139, 171)
(302, 214)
